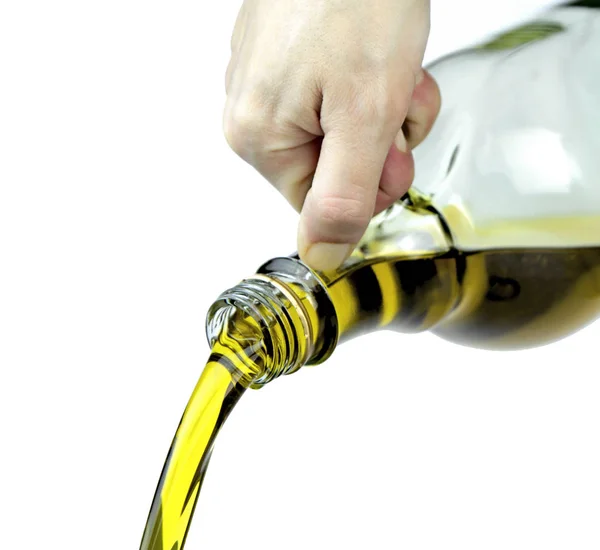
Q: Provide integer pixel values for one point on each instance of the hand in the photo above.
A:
(326, 99)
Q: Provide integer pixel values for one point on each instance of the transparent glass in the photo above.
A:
(513, 159)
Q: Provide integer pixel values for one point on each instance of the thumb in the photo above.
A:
(341, 201)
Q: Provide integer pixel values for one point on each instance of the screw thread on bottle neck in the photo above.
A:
(295, 319)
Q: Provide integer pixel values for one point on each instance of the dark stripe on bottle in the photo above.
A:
(460, 260)
(415, 278)
(370, 300)
(368, 291)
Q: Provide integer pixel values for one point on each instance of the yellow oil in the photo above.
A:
(492, 299)
(495, 299)
(518, 299)
(215, 395)
(234, 362)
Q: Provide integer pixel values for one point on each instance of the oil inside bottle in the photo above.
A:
(500, 298)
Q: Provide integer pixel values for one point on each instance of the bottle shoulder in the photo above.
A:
(513, 158)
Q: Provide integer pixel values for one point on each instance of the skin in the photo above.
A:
(327, 99)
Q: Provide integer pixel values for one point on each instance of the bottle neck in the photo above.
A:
(410, 293)
(300, 316)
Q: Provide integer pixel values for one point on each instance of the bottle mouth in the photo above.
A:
(283, 326)
(296, 320)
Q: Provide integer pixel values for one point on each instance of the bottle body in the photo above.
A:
(497, 245)
(512, 166)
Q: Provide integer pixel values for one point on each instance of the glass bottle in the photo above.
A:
(496, 246)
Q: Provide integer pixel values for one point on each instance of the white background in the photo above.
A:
(123, 215)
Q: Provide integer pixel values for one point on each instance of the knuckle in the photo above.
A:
(343, 215)
(373, 103)
(370, 104)
(386, 105)
(245, 126)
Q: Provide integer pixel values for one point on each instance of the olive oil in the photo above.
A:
(215, 395)
(495, 299)
(519, 299)
(499, 299)
(233, 364)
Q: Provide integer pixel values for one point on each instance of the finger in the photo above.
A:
(341, 202)
(397, 175)
(399, 170)
(423, 110)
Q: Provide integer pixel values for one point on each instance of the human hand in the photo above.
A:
(326, 99)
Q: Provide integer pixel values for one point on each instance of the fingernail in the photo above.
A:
(400, 142)
(420, 77)
(327, 256)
